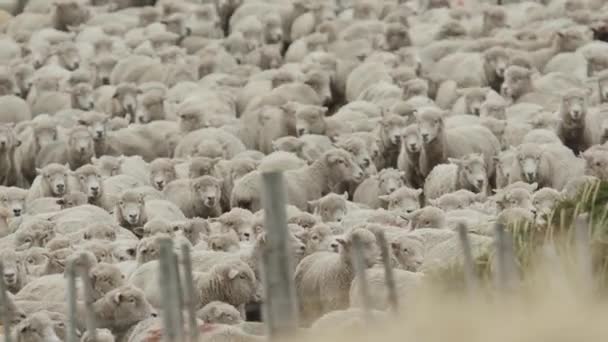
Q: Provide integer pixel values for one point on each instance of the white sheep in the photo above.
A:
(384, 183)
(469, 173)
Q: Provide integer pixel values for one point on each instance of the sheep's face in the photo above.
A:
(529, 159)
(289, 144)
(106, 277)
(68, 56)
(202, 166)
(369, 247)
(91, 181)
(122, 252)
(473, 99)
(14, 269)
(73, 199)
(44, 135)
(102, 252)
(158, 226)
(224, 242)
(472, 169)
(34, 234)
(304, 220)
(190, 120)
(517, 82)
(104, 66)
(8, 140)
(14, 200)
(574, 105)
(360, 152)
(494, 18)
(411, 139)
(545, 200)
(449, 202)
(415, 87)
(37, 327)
(396, 36)
(409, 251)
(503, 162)
(319, 80)
(569, 40)
(81, 143)
(320, 238)
(24, 77)
(493, 109)
(496, 61)
(342, 166)
(55, 176)
(162, 172)
(99, 231)
(237, 46)
(332, 207)
(595, 65)
(390, 180)
(310, 120)
(148, 249)
(107, 166)
(515, 198)
(219, 313)
(430, 125)
(273, 29)
(240, 280)
(427, 217)
(8, 86)
(130, 305)
(403, 199)
(392, 128)
(125, 97)
(96, 122)
(83, 96)
(596, 163)
(131, 208)
(208, 189)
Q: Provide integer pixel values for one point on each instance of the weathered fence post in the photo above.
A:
(389, 276)
(583, 245)
(169, 293)
(505, 267)
(359, 266)
(280, 307)
(470, 279)
(6, 314)
(72, 295)
(88, 300)
(189, 293)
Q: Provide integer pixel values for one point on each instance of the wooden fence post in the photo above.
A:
(189, 293)
(88, 299)
(169, 293)
(470, 278)
(359, 266)
(72, 295)
(280, 302)
(6, 314)
(505, 267)
(389, 275)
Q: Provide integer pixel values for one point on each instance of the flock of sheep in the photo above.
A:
(124, 122)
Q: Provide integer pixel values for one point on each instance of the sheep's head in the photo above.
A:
(396, 36)
(595, 64)
(90, 180)
(320, 81)
(392, 128)
(289, 144)
(96, 122)
(389, 180)
(403, 199)
(529, 158)
(273, 28)
(99, 231)
(494, 108)
(518, 81)
(409, 251)
(227, 242)
(303, 219)
(192, 229)
(472, 169)
(82, 93)
(331, 207)
(545, 200)
(14, 270)
(342, 166)
(24, 74)
(430, 124)
(514, 198)
(310, 119)
(359, 149)
(219, 312)
(68, 55)
(208, 190)
(8, 138)
(13, 199)
(45, 131)
(36, 233)
(368, 246)
(162, 172)
(427, 217)
(451, 29)
(570, 39)
(495, 61)
(321, 238)
(128, 306)
(148, 249)
(574, 105)
(415, 87)
(125, 97)
(411, 139)
(104, 65)
(473, 99)
(101, 250)
(238, 280)
(73, 199)
(105, 278)
(55, 177)
(596, 162)
(158, 226)
(108, 166)
(81, 144)
(124, 250)
(36, 327)
(131, 206)
(202, 166)
(494, 17)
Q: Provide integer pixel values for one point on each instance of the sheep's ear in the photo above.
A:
(384, 198)
(118, 297)
(139, 231)
(232, 273)
(313, 204)
(60, 201)
(38, 171)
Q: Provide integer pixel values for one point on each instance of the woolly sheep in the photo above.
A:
(323, 279)
(14, 200)
(41, 132)
(52, 181)
(132, 210)
(409, 154)
(9, 172)
(199, 197)
(467, 173)
(76, 151)
(404, 198)
(406, 283)
(384, 183)
(36, 327)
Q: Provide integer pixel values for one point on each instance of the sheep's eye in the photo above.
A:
(315, 237)
(406, 250)
(28, 240)
(598, 164)
(121, 203)
(131, 300)
(30, 261)
(243, 276)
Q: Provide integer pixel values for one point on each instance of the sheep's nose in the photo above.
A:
(95, 188)
(301, 131)
(75, 65)
(60, 186)
(338, 219)
(480, 183)
(476, 111)
(425, 136)
(9, 277)
(99, 134)
(160, 184)
(105, 81)
(17, 212)
(3, 143)
(334, 246)
(391, 190)
(366, 162)
(91, 105)
(133, 216)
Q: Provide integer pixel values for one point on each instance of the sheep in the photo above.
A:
(232, 145)
(37, 327)
(133, 210)
(440, 143)
(595, 160)
(101, 335)
(199, 197)
(322, 239)
(404, 198)
(52, 181)
(459, 199)
(40, 132)
(219, 312)
(118, 101)
(311, 119)
(323, 279)
(14, 200)
(332, 207)
(308, 147)
(9, 143)
(384, 183)
(406, 282)
(162, 172)
(75, 152)
(427, 217)
(468, 173)
(549, 165)
(573, 114)
(238, 220)
(15, 271)
(409, 154)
